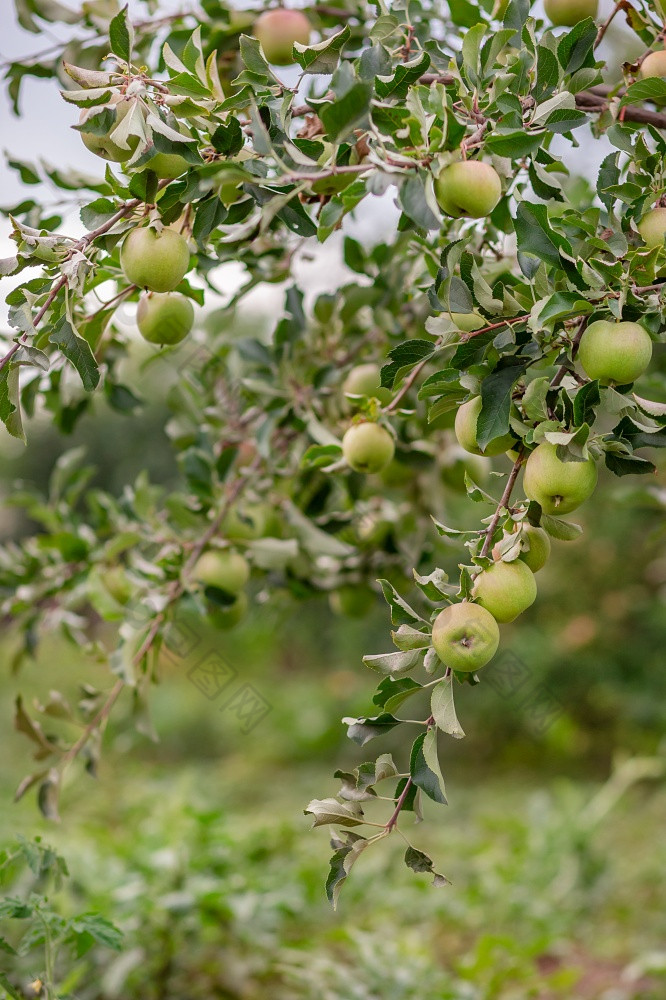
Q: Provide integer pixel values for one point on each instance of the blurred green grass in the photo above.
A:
(198, 848)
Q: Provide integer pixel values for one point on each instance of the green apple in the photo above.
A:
(569, 12)
(224, 569)
(352, 600)
(102, 145)
(615, 353)
(153, 260)
(558, 486)
(164, 318)
(365, 380)
(246, 523)
(652, 226)
(466, 430)
(465, 636)
(225, 616)
(367, 447)
(506, 589)
(167, 165)
(537, 550)
(468, 322)
(468, 187)
(654, 65)
(277, 30)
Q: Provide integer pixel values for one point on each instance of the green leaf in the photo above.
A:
(348, 113)
(406, 74)
(563, 531)
(331, 811)
(652, 89)
(463, 13)
(420, 862)
(77, 350)
(443, 709)
(534, 400)
(585, 400)
(121, 35)
(101, 930)
(515, 143)
(576, 48)
(341, 863)
(10, 407)
(412, 199)
(565, 120)
(361, 731)
(563, 305)
(318, 456)
(424, 767)
(535, 235)
(496, 389)
(401, 613)
(628, 465)
(227, 138)
(323, 57)
(404, 357)
(393, 664)
(392, 693)
(9, 989)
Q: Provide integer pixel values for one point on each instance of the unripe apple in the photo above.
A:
(468, 187)
(569, 12)
(653, 65)
(558, 486)
(164, 318)
(652, 226)
(246, 523)
(468, 322)
(536, 556)
(466, 431)
(102, 145)
(226, 570)
(226, 616)
(465, 636)
(365, 380)
(352, 600)
(157, 261)
(367, 447)
(277, 30)
(167, 165)
(615, 353)
(506, 589)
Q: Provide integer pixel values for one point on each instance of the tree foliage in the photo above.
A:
(206, 140)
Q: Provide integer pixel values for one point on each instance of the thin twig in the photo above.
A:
(620, 5)
(503, 504)
(393, 819)
(563, 369)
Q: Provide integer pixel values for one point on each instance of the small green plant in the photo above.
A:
(45, 947)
